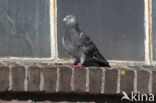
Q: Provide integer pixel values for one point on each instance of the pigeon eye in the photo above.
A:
(69, 18)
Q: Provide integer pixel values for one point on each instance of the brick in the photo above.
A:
(127, 81)
(80, 80)
(135, 67)
(95, 76)
(50, 77)
(18, 77)
(142, 81)
(149, 67)
(46, 102)
(30, 101)
(65, 79)
(111, 81)
(4, 78)
(154, 82)
(16, 101)
(21, 101)
(60, 102)
(34, 79)
(4, 101)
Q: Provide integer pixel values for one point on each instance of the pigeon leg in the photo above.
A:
(79, 65)
(77, 61)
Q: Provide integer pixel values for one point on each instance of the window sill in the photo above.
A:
(62, 78)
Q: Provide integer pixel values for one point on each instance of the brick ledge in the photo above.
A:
(64, 79)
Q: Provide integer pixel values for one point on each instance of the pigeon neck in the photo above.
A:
(74, 29)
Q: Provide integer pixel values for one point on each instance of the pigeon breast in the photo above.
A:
(70, 42)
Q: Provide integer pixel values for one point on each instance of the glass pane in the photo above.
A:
(24, 28)
(154, 28)
(116, 26)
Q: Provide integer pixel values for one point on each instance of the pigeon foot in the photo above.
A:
(79, 65)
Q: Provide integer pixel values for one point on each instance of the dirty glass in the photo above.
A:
(116, 26)
(24, 28)
(154, 29)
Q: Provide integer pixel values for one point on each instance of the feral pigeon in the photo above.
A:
(80, 46)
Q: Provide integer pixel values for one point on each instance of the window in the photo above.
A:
(24, 28)
(123, 30)
(116, 26)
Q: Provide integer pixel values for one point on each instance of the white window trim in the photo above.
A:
(147, 32)
(53, 28)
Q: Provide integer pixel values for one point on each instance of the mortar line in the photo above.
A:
(58, 79)
(150, 82)
(27, 73)
(87, 80)
(41, 79)
(72, 80)
(135, 82)
(118, 81)
(103, 81)
(10, 78)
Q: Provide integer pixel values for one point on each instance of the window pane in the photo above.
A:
(24, 28)
(116, 26)
(154, 28)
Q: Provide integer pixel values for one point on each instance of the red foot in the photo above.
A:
(78, 66)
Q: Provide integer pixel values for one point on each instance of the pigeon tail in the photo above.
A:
(101, 60)
(93, 63)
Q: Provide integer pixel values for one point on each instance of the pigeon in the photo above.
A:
(80, 46)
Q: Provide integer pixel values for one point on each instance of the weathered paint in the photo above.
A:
(147, 32)
(53, 19)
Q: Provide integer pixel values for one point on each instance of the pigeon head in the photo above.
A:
(70, 20)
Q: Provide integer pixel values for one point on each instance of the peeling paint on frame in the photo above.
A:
(147, 32)
(53, 28)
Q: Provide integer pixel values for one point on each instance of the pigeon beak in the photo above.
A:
(64, 20)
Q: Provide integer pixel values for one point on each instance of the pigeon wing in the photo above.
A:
(90, 50)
